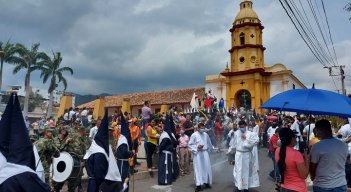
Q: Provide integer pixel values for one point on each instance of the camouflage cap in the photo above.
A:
(80, 128)
(33, 138)
(47, 128)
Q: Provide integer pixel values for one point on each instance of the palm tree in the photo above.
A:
(6, 55)
(50, 68)
(27, 59)
(348, 7)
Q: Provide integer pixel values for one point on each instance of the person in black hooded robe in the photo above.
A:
(101, 177)
(175, 144)
(166, 153)
(17, 162)
(123, 151)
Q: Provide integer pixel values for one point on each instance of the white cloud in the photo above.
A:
(145, 6)
(129, 46)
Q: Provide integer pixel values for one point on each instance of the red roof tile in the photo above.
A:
(156, 97)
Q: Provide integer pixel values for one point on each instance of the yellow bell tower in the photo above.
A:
(247, 82)
(247, 49)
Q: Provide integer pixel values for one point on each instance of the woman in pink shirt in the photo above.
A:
(293, 167)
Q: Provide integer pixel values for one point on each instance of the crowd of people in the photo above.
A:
(176, 144)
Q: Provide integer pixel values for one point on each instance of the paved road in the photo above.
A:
(222, 178)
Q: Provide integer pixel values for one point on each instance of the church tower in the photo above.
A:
(246, 40)
(247, 82)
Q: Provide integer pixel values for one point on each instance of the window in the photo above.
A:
(242, 59)
(242, 39)
(253, 59)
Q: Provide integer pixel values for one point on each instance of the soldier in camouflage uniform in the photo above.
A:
(47, 150)
(81, 138)
(71, 146)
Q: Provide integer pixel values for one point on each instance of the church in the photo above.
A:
(247, 81)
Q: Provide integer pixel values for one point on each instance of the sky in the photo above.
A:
(125, 46)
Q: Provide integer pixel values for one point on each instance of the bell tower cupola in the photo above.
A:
(247, 51)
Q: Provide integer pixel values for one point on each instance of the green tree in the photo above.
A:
(36, 100)
(27, 59)
(50, 68)
(6, 56)
(348, 8)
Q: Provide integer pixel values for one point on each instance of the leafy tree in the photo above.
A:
(27, 59)
(50, 68)
(348, 8)
(6, 55)
(36, 100)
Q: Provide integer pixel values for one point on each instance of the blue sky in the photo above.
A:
(122, 46)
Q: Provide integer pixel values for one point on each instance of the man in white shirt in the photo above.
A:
(295, 127)
(94, 130)
(271, 130)
(310, 127)
(84, 116)
(71, 112)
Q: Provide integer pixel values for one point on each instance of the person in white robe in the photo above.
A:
(256, 130)
(199, 145)
(245, 170)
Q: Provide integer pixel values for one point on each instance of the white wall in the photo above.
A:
(292, 81)
(215, 91)
(276, 87)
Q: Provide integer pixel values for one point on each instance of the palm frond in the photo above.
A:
(15, 60)
(18, 68)
(42, 56)
(46, 77)
(37, 68)
(63, 69)
(64, 82)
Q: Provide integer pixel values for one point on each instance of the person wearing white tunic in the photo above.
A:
(256, 130)
(199, 145)
(245, 169)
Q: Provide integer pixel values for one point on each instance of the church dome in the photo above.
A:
(246, 13)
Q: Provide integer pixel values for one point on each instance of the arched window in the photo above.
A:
(242, 38)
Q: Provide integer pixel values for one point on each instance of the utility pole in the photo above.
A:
(342, 76)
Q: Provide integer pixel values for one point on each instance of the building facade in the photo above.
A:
(247, 81)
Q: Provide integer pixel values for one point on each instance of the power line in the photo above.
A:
(302, 36)
(318, 44)
(331, 39)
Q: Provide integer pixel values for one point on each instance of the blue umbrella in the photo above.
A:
(311, 101)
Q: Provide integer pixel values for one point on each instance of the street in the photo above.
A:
(222, 177)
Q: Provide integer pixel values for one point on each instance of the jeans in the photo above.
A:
(335, 189)
(275, 172)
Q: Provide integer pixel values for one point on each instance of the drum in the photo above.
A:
(64, 167)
